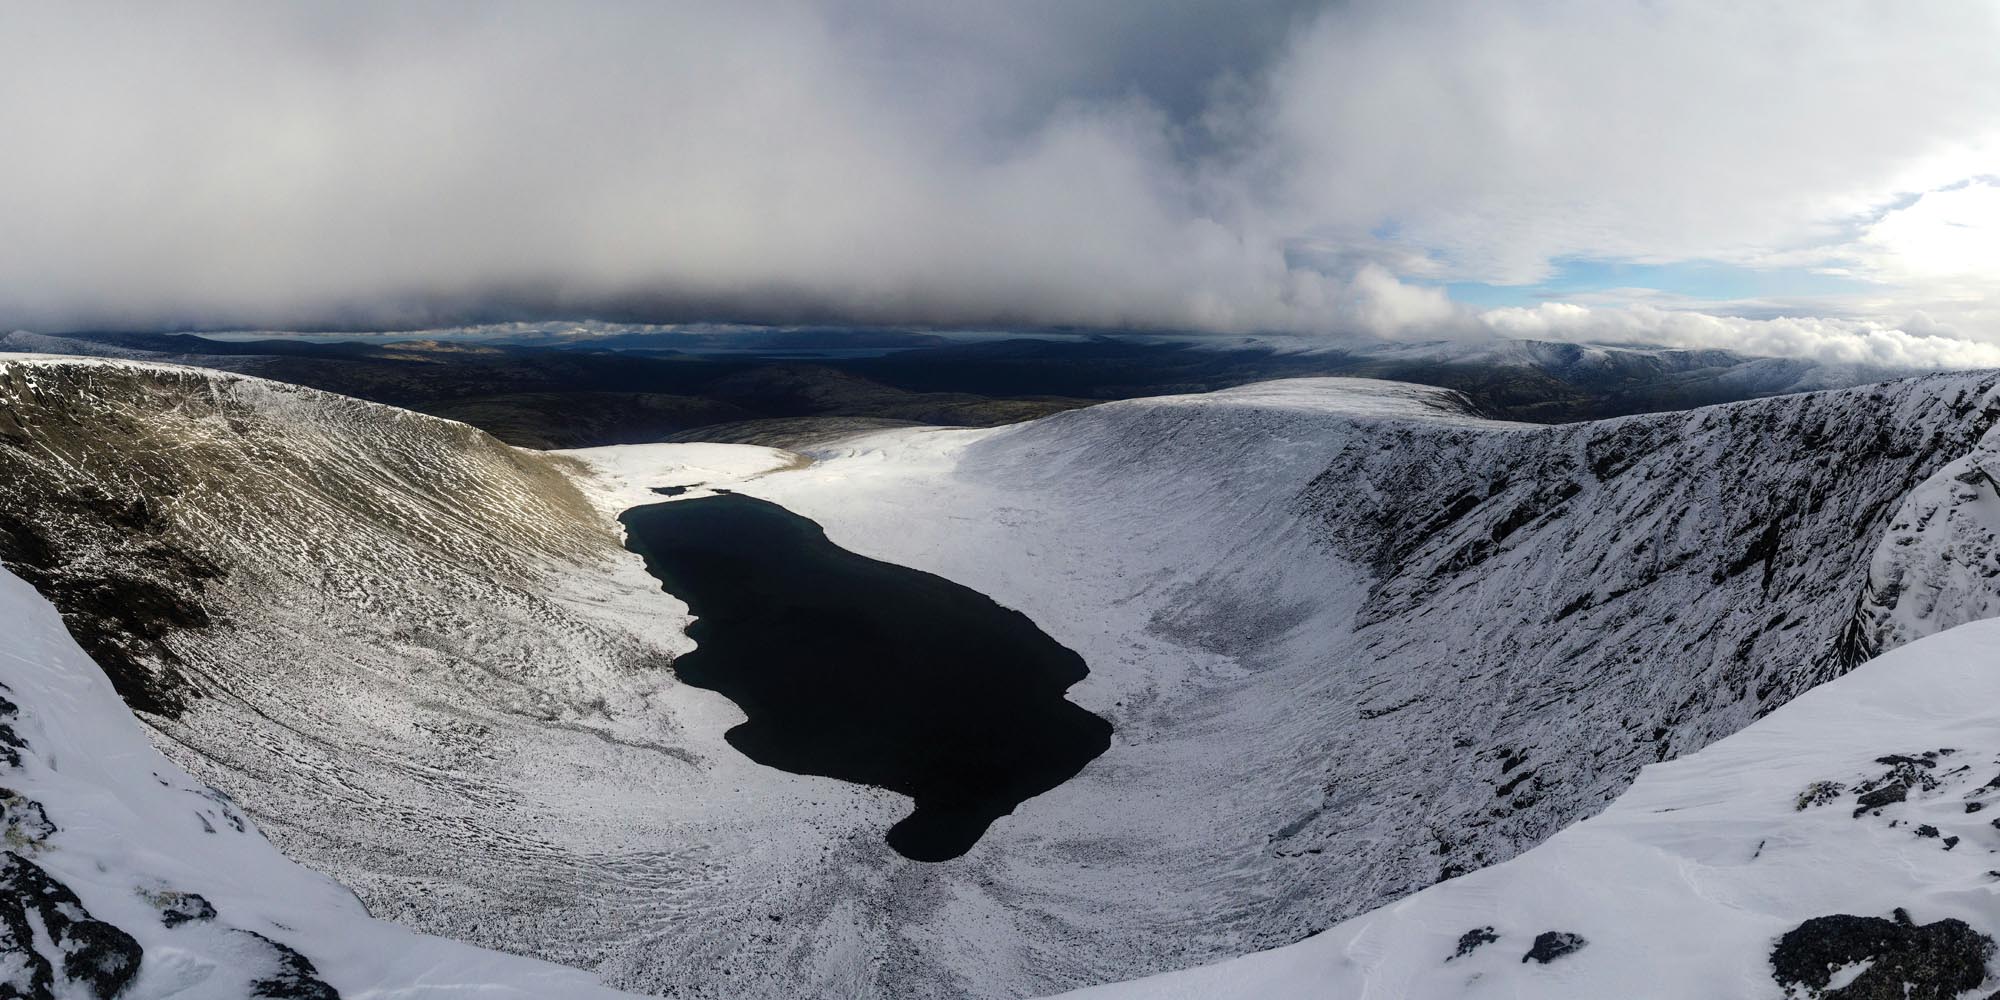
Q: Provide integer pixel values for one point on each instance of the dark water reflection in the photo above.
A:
(866, 671)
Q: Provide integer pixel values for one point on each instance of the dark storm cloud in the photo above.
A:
(1230, 167)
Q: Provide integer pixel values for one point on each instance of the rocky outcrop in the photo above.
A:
(80, 952)
(1893, 959)
(1551, 945)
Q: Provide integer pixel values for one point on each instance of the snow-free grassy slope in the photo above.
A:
(1686, 884)
(200, 906)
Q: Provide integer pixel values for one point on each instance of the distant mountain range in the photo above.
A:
(560, 387)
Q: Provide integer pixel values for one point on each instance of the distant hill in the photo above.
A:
(544, 389)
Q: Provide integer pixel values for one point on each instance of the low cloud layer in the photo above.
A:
(1841, 341)
(1280, 167)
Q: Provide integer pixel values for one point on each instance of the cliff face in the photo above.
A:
(1550, 610)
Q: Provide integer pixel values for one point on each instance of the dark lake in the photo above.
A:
(869, 672)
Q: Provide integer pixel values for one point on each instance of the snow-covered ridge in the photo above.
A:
(1353, 398)
(1552, 609)
(1869, 797)
(150, 500)
(139, 881)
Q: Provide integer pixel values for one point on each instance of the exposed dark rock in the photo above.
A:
(1504, 790)
(1819, 793)
(1579, 603)
(1616, 449)
(1905, 772)
(295, 979)
(177, 908)
(1881, 797)
(226, 806)
(121, 610)
(1380, 711)
(11, 744)
(22, 820)
(1470, 941)
(1551, 945)
(1937, 961)
(95, 955)
(29, 976)
(1905, 760)
(101, 957)
(1763, 551)
(123, 622)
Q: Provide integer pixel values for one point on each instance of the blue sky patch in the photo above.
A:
(1700, 281)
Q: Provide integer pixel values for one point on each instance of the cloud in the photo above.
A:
(1499, 136)
(1842, 341)
(1275, 167)
(1943, 243)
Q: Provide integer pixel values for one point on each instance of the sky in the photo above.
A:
(1815, 179)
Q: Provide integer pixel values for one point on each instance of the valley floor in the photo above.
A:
(1204, 652)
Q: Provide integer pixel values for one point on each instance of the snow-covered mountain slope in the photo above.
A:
(121, 875)
(424, 663)
(1941, 561)
(376, 628)
(1843, 846)
(1351, 649)
(1550, 381)
(148, 500)
(420, 660)
(1603, 595)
